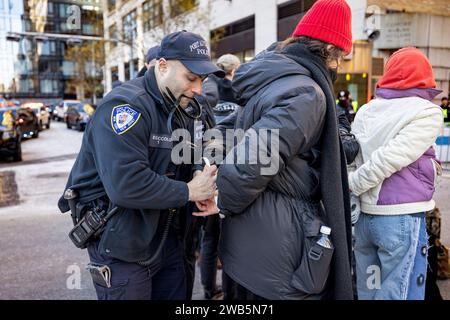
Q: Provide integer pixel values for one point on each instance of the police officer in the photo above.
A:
(344, 104)
(150, 59)
(125, 162)
(445, 106)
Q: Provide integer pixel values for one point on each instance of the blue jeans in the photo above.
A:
(391, 256)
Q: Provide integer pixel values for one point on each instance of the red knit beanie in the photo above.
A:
(329, 21)
(407, 68)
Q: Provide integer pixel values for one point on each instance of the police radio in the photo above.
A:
(91, 225)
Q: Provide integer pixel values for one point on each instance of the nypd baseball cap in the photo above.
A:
(191, 50)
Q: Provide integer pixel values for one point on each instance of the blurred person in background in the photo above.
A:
(345, 105)
(150, 60)
(445, 107)
(217, 90)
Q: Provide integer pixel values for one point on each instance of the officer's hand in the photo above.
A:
(203, 185)
(197, 172)
(208, 208)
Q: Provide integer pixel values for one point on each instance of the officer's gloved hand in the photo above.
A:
(203, 185)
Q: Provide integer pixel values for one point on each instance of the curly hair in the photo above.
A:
(326, 51)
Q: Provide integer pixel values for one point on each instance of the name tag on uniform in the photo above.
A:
(198, 133)
(163, 141)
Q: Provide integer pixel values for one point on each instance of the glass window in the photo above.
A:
(127, 71)
(135, 67)
(25, 85)
(245, 55)
(63, 26)
(90, 69)
(48, 86)
(130, 26)
(52, 47)
(27, 24)
(88, 28)
(23, 67)
(114, 74)
(128, 65)
(63, 10)
(178, 7)
(111, 5)
(152, 14)
(248, 55)
(68, 68)
(91, 22)
(47, 48)
(43, 66)
(50, 9)
(113, 35)
(48, 66)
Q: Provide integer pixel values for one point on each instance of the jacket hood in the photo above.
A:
(267, 67)
(407, 68)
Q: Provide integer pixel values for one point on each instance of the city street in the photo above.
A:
(38, 261)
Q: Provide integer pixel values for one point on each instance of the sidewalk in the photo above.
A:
(442, 198)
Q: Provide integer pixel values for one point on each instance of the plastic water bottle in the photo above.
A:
(324, 240)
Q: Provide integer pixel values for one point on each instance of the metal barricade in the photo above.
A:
(443, 147)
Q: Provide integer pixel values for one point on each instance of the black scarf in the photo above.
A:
(333, 175)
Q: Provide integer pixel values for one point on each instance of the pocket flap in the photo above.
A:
(312, 227)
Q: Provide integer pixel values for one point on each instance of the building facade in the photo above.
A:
(419, 24)
(50, 69)
(241, 27)
(10, 21)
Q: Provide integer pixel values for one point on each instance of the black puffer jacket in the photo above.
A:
(270, 215)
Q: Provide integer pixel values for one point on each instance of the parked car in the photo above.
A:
(51, 108)
(78, 116)
(10, 136)
(41, 112)
(28, 123)
(61, 108)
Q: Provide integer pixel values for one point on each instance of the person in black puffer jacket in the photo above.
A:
(272, 218)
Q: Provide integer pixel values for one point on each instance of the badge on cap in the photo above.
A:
(123, 117)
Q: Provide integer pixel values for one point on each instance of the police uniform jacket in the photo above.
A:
(125, 153)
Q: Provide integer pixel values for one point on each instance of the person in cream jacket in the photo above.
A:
(395, 179)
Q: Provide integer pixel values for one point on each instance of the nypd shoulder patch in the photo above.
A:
(123, 117)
